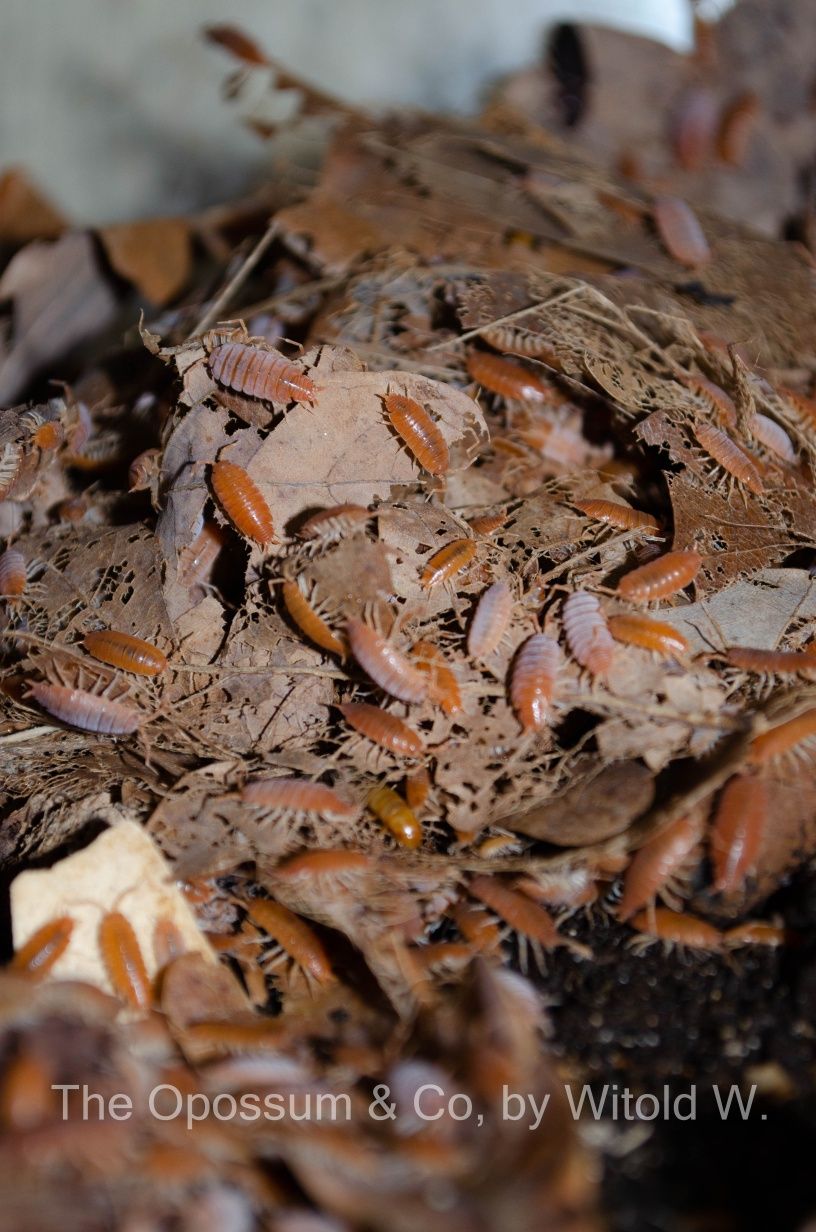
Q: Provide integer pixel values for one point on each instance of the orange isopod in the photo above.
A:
(805, 407)
(677, 928)
(143, 471)
(443, 687)
(123, 960)
(478, 928)
(773, 662)
(48, 436)
(730, 456)
(507, 378)
(386, 666)
(417, 788)
(527, 918)
(587, 633)
(521, 341)
(490, 620)
(384, 729)
(327, 863)
(736, 128)
(296, 796)
(447, 562)
(308, 620)
(417, 430)
(658, 579)
(756, 932)
(783, 738)
(293, 935)
(196, 561)
(738, 829)
(680, 231)
(615, 514)
(13, 573)
(123, 650)
(260, 373)
(532, 680)
(242, 502)
(487, 523)
(650, 634)
(329, 525)
(664, 855)
(87, 711)
(398, 819)
(39, 954)
(714, 397)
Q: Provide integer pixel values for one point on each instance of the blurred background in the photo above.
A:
(116, 108)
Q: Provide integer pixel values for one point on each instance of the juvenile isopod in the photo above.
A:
(260, 373)
(328, 525)
(242, 502)
(417, 788)
(445, 563)
(587, 633)
(420, 434)
(384, 729)
(386, 666)
(715, 398)
(507, 378)
(490, 620)
(443, 687)
(770, 662)
(44, 947)
(650, 634)
(125, 651)
(13, 572)
(196, 561)
(123, 961)
(680, 231)
(310, 623)
(87, 711)
(532, 680)
(525, 917)
(730, 456)
(620, 516)
(675, 928)
(660, 578)
(327, 863)
(296, 796)
(399, 820)
(521, 341)
(293, 935)
(487, 523)
(783, 738)
(773, 436)
(657, 861)
(738, 829)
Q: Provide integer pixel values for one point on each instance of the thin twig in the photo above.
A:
(238, 279)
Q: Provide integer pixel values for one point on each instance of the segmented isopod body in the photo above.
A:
(527, 918)
(532, 680)
(242, 502)
(39, 954)
(12, 574)
(48, 436)
(447, 562)
(755, 932)
(144, 470)
(308, 621)
(783, 738)
(260, 373)
(736, 128)
(772, 662)
(656, 862)
(398, 819)
(332, 863)
(417, 430)
(296, 796)
(658, 579)
(773, 436)
(329, 525)
(417, 788)
(677, 928)
(293, 935)
(715, 398)
(650, 634)
(386, 666)
(490, 620)
(443, 687)
(507, 378)
(617, 515)
(27, 1093)
(235, 1036)
(521, 341)
(123, 960)
(197, 560)
(730, 456)
(805, 407)
(477, 927)
(487, 523)
(587, 633)
(87, 711)
(680, 231)
(384, 729)
(738, 830)
(123, 650)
